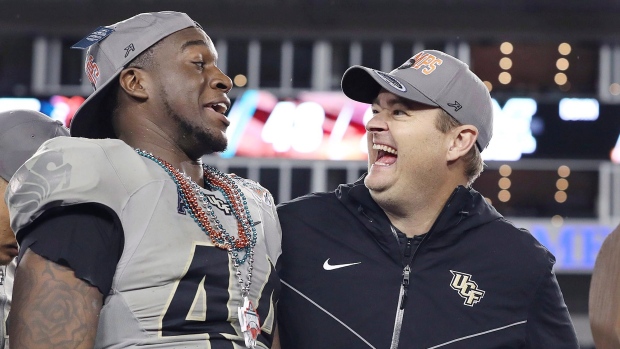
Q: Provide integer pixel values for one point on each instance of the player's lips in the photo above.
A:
(220, 105)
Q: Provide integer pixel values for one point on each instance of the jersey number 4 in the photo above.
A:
(201, 302)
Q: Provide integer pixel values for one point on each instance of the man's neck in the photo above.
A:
(413, 224)
(414, 214)
(172, 154)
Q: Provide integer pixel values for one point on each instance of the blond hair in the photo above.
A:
(473, 160)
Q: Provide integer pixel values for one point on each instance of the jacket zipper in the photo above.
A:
(402, 298)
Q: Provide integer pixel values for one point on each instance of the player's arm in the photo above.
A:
(52, 307)
(67, 263)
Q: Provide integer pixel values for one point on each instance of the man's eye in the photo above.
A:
(200, 64)
(399, 112)
(375, 111)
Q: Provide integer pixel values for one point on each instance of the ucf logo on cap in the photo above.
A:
(424, 61)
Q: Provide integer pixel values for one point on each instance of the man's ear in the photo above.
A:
(463, 138)
(133, 81)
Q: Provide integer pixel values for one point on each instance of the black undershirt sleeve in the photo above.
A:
(87, 238)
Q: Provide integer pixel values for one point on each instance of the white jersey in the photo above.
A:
(7, 273)
(172, 287)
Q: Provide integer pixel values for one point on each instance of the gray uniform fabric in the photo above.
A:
(7, 273)
(172, 287)
(21, 134)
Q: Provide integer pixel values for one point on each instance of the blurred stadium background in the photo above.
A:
(552, 66)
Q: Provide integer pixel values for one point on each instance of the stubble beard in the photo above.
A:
(207, 139)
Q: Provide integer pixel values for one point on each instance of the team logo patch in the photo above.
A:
(392, 81)
(48, 173)
(260, 193)
(92, 71)
(219, 204)
(466, 287)
(424, 61)
(211, 200)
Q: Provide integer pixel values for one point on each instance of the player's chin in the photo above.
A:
(222, 142)
(217, 142)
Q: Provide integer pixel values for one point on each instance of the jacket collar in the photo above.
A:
(465, 208)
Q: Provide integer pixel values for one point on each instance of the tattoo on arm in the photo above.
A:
(51, 307)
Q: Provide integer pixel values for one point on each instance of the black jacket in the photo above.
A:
(475, 280)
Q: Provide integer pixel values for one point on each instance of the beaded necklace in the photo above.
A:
(202, 212)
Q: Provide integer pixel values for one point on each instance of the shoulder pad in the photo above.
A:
(67, 171)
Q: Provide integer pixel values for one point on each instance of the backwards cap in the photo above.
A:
(432, 78)
(21, 133)
(110, 49)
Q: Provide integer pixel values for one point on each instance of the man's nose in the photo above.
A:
(377, 123)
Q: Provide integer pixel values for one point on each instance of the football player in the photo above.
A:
(127, 238)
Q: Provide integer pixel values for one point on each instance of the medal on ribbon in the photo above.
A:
(250, 323)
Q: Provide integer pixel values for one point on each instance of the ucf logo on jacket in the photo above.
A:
(475, 280)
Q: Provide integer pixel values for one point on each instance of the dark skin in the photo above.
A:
(164, 109)
(51, 307)
(172, 109)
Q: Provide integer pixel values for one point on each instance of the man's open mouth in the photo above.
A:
(386, 155)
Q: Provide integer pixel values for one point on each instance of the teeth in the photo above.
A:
(385, 148)
(220, 107)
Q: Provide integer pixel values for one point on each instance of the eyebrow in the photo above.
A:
(391, 102)
(193, 43)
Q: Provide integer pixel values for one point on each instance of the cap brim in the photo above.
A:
(91, 120)
(363, 85)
